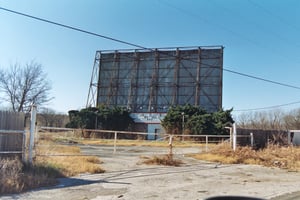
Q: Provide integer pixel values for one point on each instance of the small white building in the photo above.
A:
(150, 123)
(294, 137)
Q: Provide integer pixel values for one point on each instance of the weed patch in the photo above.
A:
(163, 160)
(67, 159)
(16, 177)
(273, 156)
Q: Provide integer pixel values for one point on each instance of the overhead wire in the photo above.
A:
(257, 25)
(72, 28)
(142, 47)
(273, 15)
(191, 14)
(267, 107)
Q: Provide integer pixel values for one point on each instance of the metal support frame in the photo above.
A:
(157, 79)
(93, 89)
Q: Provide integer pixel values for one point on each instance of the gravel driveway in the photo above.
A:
(127, 179)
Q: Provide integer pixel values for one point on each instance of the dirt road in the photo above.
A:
(127, 179)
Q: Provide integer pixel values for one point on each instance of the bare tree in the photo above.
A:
(264, 120)
(49, 117)
(292, 119)
(23, 86)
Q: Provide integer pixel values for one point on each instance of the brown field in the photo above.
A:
(66, 159)
(56, 158)
(273, 156)
(16, 176)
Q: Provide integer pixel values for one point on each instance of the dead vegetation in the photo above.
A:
(162, 160)
(66, 158)
(273, 156)
(53, 160)
(15, 176)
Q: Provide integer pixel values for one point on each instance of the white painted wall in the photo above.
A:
(151, 129)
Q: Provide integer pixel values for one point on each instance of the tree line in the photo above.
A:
(102, 117)
(188, 118)
(270, 120)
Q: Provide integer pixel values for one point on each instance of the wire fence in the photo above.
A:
(110, 143)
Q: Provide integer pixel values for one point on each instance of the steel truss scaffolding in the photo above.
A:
(150, 81)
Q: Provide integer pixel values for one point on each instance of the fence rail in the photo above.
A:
(113, 143)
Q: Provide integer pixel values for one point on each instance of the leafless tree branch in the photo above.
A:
(23, 86)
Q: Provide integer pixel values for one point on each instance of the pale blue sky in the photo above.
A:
(261, 38)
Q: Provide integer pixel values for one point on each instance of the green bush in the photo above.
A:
(196, 121)
(102, 117)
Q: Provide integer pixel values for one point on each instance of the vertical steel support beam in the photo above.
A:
(116, 80)
(112, 84)
(133, 83)
(156, 80)
(221, 79)
(137, 78)
(176, 79)
(92, 99)
(153, 85)
(197, 92)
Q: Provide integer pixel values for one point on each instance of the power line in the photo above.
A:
(258, 26)
(141, 47)
(262, 79)
(267, 108)
(233, 32)
(279, 18)
(72, 28)
(207, 21)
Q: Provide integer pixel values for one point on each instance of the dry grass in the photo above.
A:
(147, 143)
(162, 160)
(69, 138)
(72, 165)
(273, 156)
(67, 159)
(50, 163)
(15, 176)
